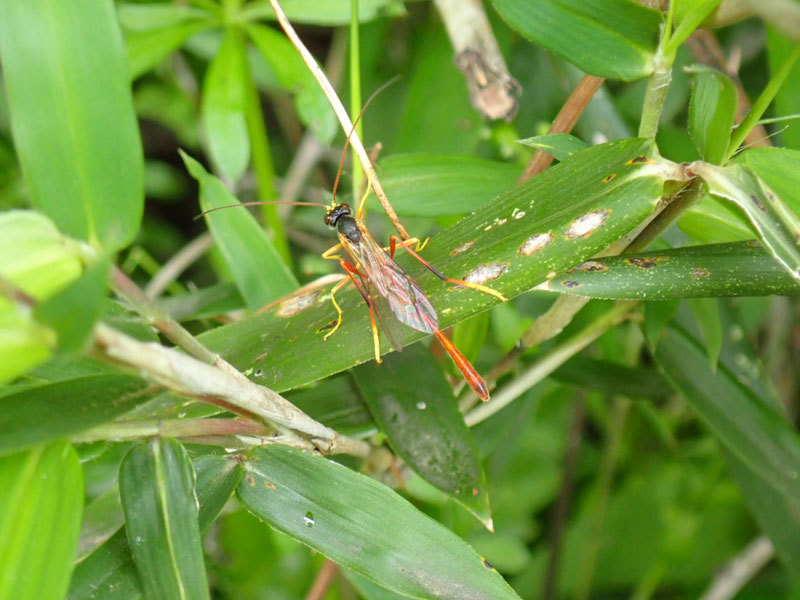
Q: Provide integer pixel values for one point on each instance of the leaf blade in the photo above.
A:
(83, 163)
(311, 499)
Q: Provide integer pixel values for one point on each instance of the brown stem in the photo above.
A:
(323, 580)
(564, 122)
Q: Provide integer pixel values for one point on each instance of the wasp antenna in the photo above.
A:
(393, 80)
(259, 203)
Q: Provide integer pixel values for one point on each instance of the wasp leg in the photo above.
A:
(394, 241)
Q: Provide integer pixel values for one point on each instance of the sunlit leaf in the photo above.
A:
(82, 162)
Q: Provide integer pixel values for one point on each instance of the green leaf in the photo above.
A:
(560, 145)
(326, 12)
(156, 483)
(34, 255)
(24, 343)
(712, 110)
(443, 184)
(787, 100)
(709, 271)
(45, 412)
(712, 220)
(414, 406)
(146, 49)
(542, 226)
(777, 225)
(764, 446)
(657, 316)
(41, 498)
(365, 526)
(606, 38)
(82, 162)
(312, 106)
(779, 168)
(706, 315)
(337, 403)
(73, 311)
(688, 15)
(109, 572)
(257, 268)
(223, 107)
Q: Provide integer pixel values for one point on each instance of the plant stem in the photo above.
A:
(173, 330)
(762, 103)
(178, 428)
(355, 91)
(221, 385)
(262, 166)
(564, 122)
(657, 88)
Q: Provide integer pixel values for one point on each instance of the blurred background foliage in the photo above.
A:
(603, 482)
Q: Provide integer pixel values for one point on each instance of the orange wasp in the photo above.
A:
(391, 294)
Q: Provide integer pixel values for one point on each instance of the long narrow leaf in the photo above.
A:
(380, 536)
(41, 498)
(157, 490)
(72, 116)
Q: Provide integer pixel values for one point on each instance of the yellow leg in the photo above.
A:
(339, 313)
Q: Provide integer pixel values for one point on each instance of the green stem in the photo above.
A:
(355, 91)
(761, 104)
(657, 88)
(262, 166)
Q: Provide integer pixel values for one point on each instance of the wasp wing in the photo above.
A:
(405, 298)
(387, 322)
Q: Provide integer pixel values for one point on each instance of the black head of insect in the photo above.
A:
(340, 216)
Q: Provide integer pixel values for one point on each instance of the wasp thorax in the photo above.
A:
(340, 210)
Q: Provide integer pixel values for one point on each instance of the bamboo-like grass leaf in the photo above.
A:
(762, 447)
(527, 234)
(606, 38)
(712, 109)
(72, 116)
(109, 572)
(560, 145)
(49, 411)
(708, 271)
(413, 405)
(156, 484)
(41, 498)
(223, 107)
(257, 268)
(777, 224)
(380, 536)
(73, 311)
(443, 184)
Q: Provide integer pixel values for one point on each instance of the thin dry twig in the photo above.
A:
(341, 113)
(740, 570)
(323, 580)
(492, 89)
(176, 265)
